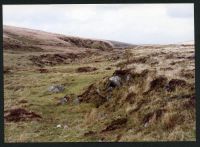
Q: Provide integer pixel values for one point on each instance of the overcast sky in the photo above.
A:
(131, 23)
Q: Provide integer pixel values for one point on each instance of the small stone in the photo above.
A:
(56, 88)
(128, 77)
(76, 101)
(58, 126)
(98, 91)
(100, 140)
(115, 81)
(107, 97)
(66, 127)
(110, 89)
(63, 101)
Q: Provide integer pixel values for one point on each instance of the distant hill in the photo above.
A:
(188, 42)
(117, 44)
(15, 38)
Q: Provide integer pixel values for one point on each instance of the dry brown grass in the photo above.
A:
(91, 117)
(157, 101)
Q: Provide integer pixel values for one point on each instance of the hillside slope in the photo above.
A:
(36, 40)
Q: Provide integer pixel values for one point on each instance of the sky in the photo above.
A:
(131, 23)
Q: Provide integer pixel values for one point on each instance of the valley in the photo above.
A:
(61, 88)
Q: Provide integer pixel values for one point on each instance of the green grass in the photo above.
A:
(33, 86)
(26, 83)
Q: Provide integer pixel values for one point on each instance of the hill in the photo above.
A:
(36, 40)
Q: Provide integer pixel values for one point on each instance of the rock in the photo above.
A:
(100, 140)
(58, 126)
(76, 101)
(56, 88)
(98, 91)
(66, 127)
(146, 125)
(128, 77)
(110, 89)
(64, 100)
(115, 81)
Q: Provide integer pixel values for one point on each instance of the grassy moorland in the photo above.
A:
(154, 102)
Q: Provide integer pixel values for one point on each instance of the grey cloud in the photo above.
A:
(180, 11)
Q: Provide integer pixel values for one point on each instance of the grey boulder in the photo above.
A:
(56, 88)
(76, 101)
(115, 81)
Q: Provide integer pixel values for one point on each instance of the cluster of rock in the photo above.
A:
(101, 92)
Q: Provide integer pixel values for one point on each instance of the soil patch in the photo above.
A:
(116, 124)
(158, 83)
(54, 59)
(43, 70)
(21, 114)
(86, 69)
(6, 70)
(176, 83)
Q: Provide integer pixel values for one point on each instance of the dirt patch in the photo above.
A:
(43, 70)
(86, 69)
(108, 68)
(23, 101)
(55, 59)
(89, 133)
(122, 72)
(92, 95)
(158, 83)
(116, 124)
(174, 83)
(7, 70)
(21, 114)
